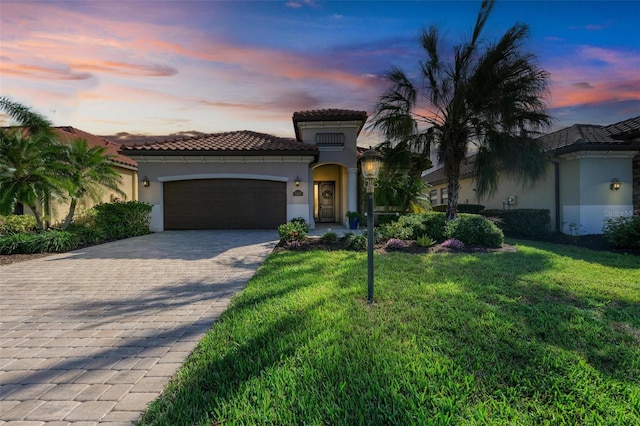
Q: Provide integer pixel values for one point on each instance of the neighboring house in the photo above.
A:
(124, 165)
(249, 180)
(594, 175)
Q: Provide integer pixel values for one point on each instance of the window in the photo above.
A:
(433, 197)
(444, 195)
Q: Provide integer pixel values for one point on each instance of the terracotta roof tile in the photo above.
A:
(68, 133)
(624, 129)
(329, 114)
(239, 142)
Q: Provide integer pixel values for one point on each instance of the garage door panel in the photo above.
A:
(224, 204)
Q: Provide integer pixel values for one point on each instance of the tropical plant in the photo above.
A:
(89, 171)
(402, 192)
(29, 170)
(488, 97)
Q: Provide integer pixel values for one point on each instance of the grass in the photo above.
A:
(547, 335)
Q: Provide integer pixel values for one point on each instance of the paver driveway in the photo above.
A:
(94, 335)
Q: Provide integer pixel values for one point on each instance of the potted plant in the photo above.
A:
(354, 219)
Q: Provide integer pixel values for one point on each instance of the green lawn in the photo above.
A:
(547, 335)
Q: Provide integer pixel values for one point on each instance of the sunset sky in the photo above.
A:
(161, 67)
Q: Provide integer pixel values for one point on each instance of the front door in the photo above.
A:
(326, 202)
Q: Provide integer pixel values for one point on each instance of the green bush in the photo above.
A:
(329, 237)
(462, 208)
(395, 230)
(355, 241)
(302, 223)
(623, 231)
(425, 241)
(433, 225)
(522, 222)
(294, 230)
(475, 230)
(46, 242)
(17, 224)
(86, 233)
(14, 243)
(123, 219)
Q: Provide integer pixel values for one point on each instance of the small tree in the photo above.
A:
(89, 170)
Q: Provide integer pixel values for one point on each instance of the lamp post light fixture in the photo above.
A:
(370, 164)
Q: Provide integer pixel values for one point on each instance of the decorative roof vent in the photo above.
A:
(330, 139)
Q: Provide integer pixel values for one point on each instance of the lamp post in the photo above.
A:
(370, 163)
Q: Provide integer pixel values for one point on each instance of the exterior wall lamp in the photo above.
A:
(145, 182)
(615, 184)
(297, 181)
(370, 164)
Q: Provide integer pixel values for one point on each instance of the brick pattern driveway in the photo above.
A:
(92, 336)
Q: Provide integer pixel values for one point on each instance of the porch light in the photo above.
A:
(297, 182)
(615, 184)
(145, 182)
(370, 164)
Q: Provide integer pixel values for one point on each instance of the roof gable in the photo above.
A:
(332, 114)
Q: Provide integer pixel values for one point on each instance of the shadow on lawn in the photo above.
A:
(470, 330)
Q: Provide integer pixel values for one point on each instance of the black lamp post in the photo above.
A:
(370, 164)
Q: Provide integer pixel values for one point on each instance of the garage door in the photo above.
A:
(224, 204)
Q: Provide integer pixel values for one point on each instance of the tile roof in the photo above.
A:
(242, 142)
(623, 135)
(329, 115)
(68, 133)
(624, 129)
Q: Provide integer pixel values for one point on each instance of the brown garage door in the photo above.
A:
(224, 204)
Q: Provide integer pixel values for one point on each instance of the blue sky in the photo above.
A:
(160, 67)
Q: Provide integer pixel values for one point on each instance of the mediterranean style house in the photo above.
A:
(594, 175)
(250, 180)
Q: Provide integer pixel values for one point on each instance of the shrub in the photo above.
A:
(52, 242)
(462, 208)
(86, 233)
(425, 241)
(355, 241)
(394, 243)
(14, 243)
(522, 222)
(293, 231)
(395, 230)
(123, 219)
(329, 237)
(453, 243)
(46, 242)
(17, 224)
(623, 231)
(475, 230)
(433, 224)
(302, 223)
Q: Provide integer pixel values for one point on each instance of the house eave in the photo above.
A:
(224, 159)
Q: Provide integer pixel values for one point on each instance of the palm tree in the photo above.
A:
(29, 172)
(490, 99)
(89, 171)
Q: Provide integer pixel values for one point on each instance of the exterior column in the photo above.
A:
(352, 185)
(310, 197)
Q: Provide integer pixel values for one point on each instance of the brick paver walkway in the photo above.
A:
(92, 336)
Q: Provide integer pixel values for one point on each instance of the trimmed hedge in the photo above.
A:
(119, 220)
(462, 208)
(17, 224)
(522, 222)
(473, 229)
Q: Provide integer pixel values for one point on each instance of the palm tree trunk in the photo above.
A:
(452, 172)
(72, 211)
(38, 216)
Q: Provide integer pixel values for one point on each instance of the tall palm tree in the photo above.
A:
(489, 96)
(89, 171)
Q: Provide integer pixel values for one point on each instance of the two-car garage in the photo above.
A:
(224, 204)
